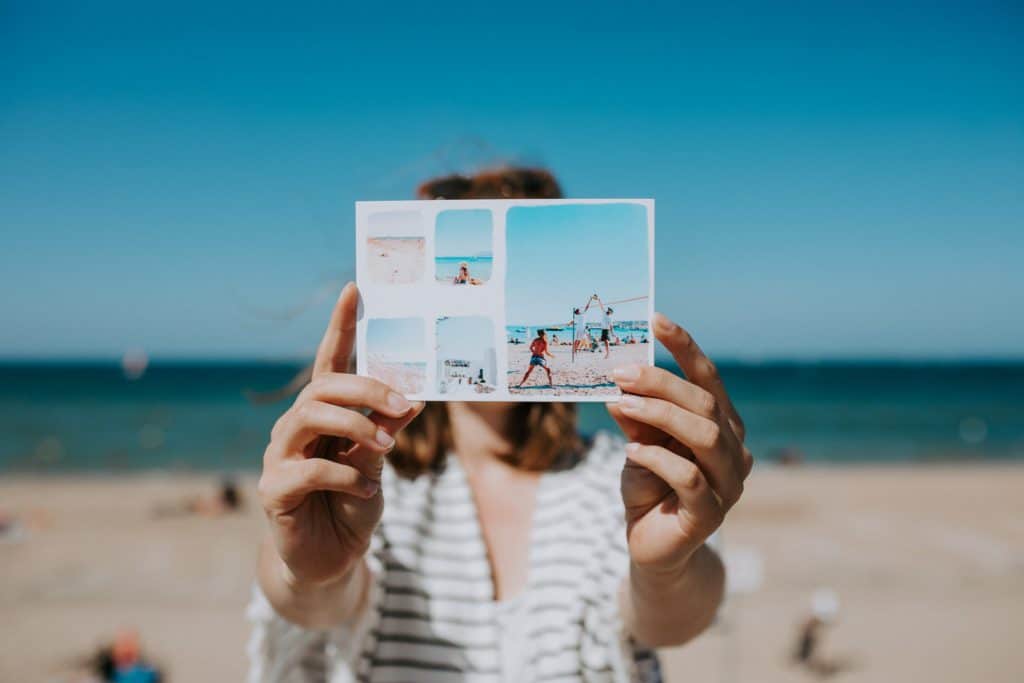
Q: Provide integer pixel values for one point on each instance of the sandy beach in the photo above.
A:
(587, 376)
(927, 564)
(395, 260)
(408, 378)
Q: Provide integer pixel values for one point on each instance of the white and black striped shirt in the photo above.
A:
(431, 614)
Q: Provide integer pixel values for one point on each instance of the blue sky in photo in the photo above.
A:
(833, 180)
(558, 256)
(395, 335)
(464, 337)
(395, 224)
(464, 233)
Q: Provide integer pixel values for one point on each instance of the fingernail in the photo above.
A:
(369, 487)
(398, 403)
(384, 439)
(627, 373)
(630, 402)
(632, 447)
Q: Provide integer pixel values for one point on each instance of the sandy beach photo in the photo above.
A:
(396, 353)
(395, 248)
(463, 246)
(466, 357)
(395, 260)
(577, 297)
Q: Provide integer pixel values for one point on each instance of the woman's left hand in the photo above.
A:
(686, 462)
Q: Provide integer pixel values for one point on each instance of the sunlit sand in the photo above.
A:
(396, 260)
(588, 375)
(407, 378)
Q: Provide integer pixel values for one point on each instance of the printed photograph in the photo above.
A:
(396, 353)
(577, 293)
(466, 356)
(395, 247)
(463, 247)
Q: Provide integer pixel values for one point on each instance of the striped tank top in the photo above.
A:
(431, 614)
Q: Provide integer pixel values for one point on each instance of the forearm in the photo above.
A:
(661, 609)
(311, 606)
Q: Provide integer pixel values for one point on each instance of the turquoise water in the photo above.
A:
(90, 418)
(448, 266)
(624, 330)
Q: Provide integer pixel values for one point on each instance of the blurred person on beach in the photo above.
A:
(227, 500)
(539, 349)
(464, 278)
(122, 661)
(508, 548)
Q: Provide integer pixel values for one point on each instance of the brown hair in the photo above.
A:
(500, 183)
(541, 433)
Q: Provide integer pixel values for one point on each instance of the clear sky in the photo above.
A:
(558, 256)
(464, 233)
(395, 224)
(464, 337)
(832, 180)
(396, 336)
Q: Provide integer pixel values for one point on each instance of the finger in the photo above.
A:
(336, 346)
(292, 481)
(659, 383)
(634, 429)
(309, 420)
(703, 436)
(370, 461)
(748, 462)
(697, 367)
(686, 479)
(355, 391)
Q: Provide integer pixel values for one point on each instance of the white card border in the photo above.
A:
(477, 298)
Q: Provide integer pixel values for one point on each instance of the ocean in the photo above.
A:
(447, 267)
(73, 417)
(625, 330)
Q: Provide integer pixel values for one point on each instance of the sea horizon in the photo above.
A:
(210, 414)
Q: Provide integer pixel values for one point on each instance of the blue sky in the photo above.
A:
(558, 256)
(832, 180)
(464, 233)
(464, 337)
(396, 335)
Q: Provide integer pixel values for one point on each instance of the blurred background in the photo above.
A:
(840, 223)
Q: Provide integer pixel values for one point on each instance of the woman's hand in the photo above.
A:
(686, 461)
(320, 485)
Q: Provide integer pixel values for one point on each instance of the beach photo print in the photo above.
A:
(504, 300)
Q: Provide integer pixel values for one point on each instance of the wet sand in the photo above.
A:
(927, 563)
(588, 375)
(396, 260)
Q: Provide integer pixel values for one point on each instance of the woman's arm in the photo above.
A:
(685, 468)
(320, 485)
(311, 605)
(670, 608)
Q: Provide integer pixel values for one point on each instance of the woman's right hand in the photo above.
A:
(320, 485)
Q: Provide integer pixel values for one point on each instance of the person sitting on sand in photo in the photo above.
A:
(468, 541)
(539, 349)
(464, 278)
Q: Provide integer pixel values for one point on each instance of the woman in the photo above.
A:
(464, 278)
(506, 550)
